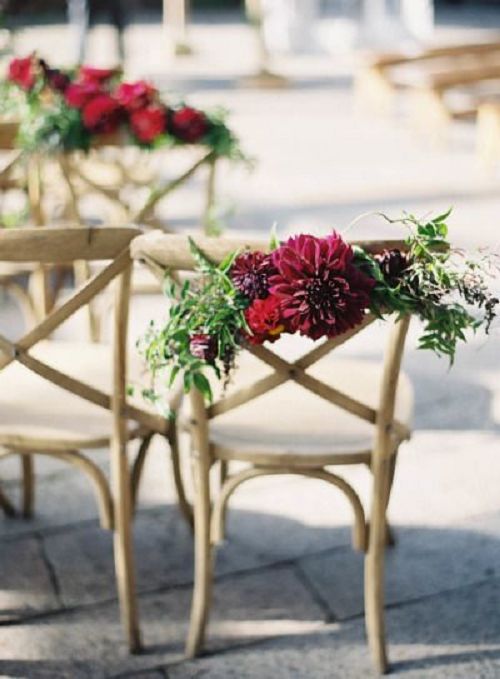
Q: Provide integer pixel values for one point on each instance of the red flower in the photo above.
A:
(88, 74)
(189, 125)
(251, 272)
(265, 320)
(148, 123)
(134, 96)
(322, 293)
(101, 114)
(203, 346)
(79, 94)
(23, 72)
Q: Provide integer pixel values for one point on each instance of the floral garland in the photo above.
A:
(68, 109)
(319, 288)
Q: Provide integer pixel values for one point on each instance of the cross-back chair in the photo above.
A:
(58, 398)
(349, 412)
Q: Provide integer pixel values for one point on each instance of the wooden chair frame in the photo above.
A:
(116, 499)
(78, 183)
(172, 253)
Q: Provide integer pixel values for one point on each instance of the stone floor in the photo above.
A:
(288, 596)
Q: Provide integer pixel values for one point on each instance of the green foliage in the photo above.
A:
(447, 291)
(208, 305)
(53, 128)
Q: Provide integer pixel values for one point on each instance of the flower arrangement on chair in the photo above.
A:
(68, 110)
(319, 288)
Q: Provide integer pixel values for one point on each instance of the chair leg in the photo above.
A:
(5, 505)
(390, 539)
(184, 504)
(28, 480)
(203, 562)
(123, 548)
(137, 469)
(374, 566)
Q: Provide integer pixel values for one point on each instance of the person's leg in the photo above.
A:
(78, 17)
(118, 19)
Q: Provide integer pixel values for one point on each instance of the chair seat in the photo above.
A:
(290, 425)
(37, 415)
(11, 269)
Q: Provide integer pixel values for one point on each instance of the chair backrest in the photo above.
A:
(164, 252)
(62, 246)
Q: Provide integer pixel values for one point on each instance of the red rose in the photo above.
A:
(133, 96)
(22, 72)
(79, 94)
(264, 320)
(189, 124)
(101, 114)
(148, 123)
(96, 75)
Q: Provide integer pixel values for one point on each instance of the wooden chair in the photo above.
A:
(379, 76)
(58, 398)
(338, 412)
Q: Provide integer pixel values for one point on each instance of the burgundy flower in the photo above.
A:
(265, 320)
(322, 293)
(134, 96)
(148, 123)
(251, 272)
(189, 125)
(88, 74)
(203, 346)
(393, 264)
(79, 94)
(58, 80)
(23, 72)
(101, 114)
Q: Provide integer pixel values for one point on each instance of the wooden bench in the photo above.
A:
(382, 75)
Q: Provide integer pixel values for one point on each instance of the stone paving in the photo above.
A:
(288, 596)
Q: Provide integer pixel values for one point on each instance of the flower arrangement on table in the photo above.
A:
(319, 288)
(68, 110)
(57, 112)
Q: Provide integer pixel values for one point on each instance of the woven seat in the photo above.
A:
(290, 425)
(63, 419)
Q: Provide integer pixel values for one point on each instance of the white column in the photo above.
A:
(374, 12)
(175, 25)
(418, 18)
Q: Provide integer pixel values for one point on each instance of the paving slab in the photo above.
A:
(246, 608)
(425, 641)
(425, 561)
(26, 585)
(82, 559)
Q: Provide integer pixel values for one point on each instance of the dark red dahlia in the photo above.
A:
(203, 346)
(393, 264)
(322, 293)
(101, 114)
(135, 96)
(23, 72)
(189, 124)
(79, 94)
(251, 272)
(149, 122)
(265, 320)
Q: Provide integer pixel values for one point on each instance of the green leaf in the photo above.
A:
(203, 385)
